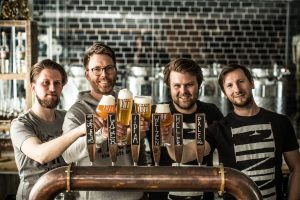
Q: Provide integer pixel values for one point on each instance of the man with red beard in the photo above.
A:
(36, 134)
(100, 70)
(184, 77)
(252, 139)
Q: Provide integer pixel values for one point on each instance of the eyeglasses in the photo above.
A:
(97, 71)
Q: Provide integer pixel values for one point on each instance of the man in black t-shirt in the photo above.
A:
(183, 78)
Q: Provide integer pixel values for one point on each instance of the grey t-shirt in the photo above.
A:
(30, 125)
(77, 152)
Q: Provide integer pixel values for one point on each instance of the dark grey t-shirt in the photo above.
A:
(30, 125)
(77, 152)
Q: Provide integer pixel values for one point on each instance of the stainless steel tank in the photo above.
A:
(270, 89)
(210, 91)
(160, 90)
(139, 79)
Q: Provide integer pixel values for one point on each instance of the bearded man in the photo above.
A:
(101, 72)
(36, 133)
(184, 77)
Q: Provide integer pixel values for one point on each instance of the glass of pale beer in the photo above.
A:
(124, 107)
(106, 105)
(166, 119)
(142, 106)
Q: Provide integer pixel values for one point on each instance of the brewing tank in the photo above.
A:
(270, 89)
(139, 79)
(210, 90)
(160, 89)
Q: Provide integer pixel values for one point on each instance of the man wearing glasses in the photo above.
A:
(100, 70)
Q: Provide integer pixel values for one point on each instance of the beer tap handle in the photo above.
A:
(200, 136)
(178, 137)
(112, 139)
(156, 139)
(90, 136)
(135, 138)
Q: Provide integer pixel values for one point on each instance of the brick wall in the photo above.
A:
(250, 32)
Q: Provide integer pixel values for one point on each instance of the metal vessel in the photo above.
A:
(270, 89)
(138, 79)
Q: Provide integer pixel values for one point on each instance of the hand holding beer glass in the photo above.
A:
(166, 122)
(142, 106)
(124, 107)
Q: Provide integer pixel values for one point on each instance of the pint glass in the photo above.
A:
(105, 106)
(142, 106)
(124, 106)
(166, 119)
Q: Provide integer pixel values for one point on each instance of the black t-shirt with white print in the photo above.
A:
(254, 145)
(212, 113)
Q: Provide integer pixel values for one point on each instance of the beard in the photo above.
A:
(104, 90)
(249, 101)
(187, 105)
(48, 103)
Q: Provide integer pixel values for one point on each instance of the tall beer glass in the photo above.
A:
(166, 119)
(106, 105)
(142, 106)
(124, 107)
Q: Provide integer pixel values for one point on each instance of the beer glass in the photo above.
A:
(106, 105)
(166, 119)
(124, 106)
(142, 106)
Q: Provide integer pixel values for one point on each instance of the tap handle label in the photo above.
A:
(156, 140)
(111, 124)
(178, 137)
(90, 133)
(135, 129)
(200, 129)
(90, 136)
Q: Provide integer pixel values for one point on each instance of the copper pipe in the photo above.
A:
(145, 179)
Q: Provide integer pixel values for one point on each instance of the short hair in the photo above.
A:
(231, 67)
(98, 48)
(47, 64)
(183, 65)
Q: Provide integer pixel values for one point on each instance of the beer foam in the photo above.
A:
(162, 108)
(107, 100)
(125, 94)
(142, 99)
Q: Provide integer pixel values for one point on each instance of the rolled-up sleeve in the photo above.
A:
(77, 150)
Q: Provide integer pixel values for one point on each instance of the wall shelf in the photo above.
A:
(29, 29)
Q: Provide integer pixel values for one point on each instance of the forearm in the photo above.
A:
(54, 148)
(294, 182)
(292, 159)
